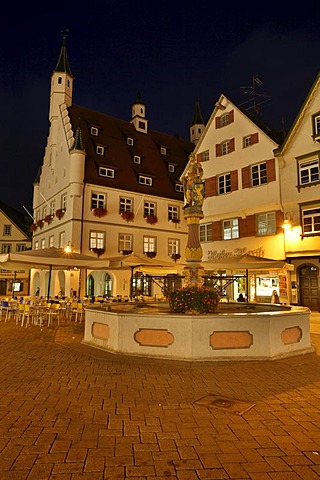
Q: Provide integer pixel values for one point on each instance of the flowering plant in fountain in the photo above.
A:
(194, 300)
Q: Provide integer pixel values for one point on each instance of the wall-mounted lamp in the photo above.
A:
(68, 248)
(286, 224)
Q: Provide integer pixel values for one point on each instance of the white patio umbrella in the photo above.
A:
(48, 259)
(245, 262)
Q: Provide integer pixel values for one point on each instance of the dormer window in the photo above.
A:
(100, 150)
(163, 150)
(130, 141)
(143, 180)
(179, 187)
(106, 172)
(171, 168)
(94, 131)
(137, 159)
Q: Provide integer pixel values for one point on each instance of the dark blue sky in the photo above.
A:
(171, 51)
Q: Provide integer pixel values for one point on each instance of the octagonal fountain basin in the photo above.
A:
(235, 332)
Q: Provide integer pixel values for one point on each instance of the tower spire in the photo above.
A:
(63, 63)
(197, 124)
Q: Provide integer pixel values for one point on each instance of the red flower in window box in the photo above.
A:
(33, 227)
(99, 212)
(40, 223)
(127, 215)
(175, 256)
(60, 213)
(48, 218)
(152, 219)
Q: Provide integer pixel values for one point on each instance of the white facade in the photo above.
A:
(299, 160)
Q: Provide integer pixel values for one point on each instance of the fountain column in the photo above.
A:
(194, 196)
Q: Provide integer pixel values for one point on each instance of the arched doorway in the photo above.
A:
(309, 286)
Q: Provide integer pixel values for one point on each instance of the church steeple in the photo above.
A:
(197, 124)
(61, 82)
(139, 115)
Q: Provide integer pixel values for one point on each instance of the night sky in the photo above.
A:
(172, 52)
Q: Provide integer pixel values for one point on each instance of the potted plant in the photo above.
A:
(175, 220)
(48, 218)
(127, 215)
(194, 300)
(126, 252)
(33, 227)
(152, 219)
(60, 213)
(175, 256)
(99, 212)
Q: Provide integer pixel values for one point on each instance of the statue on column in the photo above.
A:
(193, 184)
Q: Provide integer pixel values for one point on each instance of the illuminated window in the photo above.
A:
(230, 229)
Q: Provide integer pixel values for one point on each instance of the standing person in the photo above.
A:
(241, 298)
(275, 297)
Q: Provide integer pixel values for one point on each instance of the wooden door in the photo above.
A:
(309, 287)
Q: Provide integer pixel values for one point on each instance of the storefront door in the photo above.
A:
(309, 287)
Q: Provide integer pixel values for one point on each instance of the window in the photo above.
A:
(224, 119)
(179, 187)
(129, 141)
(203, 156)
(163, 150)
(94, 131)
(142, 125)
(171, 168)
(225, 147)
(51, 241)
(316, 125)
(149, 244)
(43, 243)
(126, 204)
(21, 247)
(125, 242)
(145, 180)
(266, 223)
(7, 230)
(247, 141)
(98, 200)
(259, 174)
(224, 183)
(309, 171)
(6, 248)
(230, 229)
(173, 246)
(36, 245)
(106, 172)
(100, 150)
(206, 232)
(311, 220)
(149, 208)
(62, 239)
(97, 240)
(64, 201)
(137, 159)
(52, 207)
(44, 212)
(173, 213)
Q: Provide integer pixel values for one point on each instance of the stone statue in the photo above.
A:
(193, 184)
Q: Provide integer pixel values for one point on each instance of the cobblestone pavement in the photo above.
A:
(71, 412)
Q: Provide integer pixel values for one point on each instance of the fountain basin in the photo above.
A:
(235, 332)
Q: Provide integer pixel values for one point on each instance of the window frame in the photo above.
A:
(260, 179)
(304, 162)
(149, 243)
(145, 180)
(99, 202)
(224, 188)
(126, 240)
(233, 229)
(206, 232)
(270, 223)
(97, 239)
(100, 150)
(173, 212)
(125, 204)
(173, 246)
(94, 131)
(307, 208)
(107, 171)
(149, 208)
(7, 230)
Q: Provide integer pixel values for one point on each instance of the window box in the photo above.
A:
(127, 215)
(98, 251)
(175, 220)
(99, 212)
(60, 213)
(152, 219)
(150, 254)
(48, 219)
(175, 256)
(126, 252)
